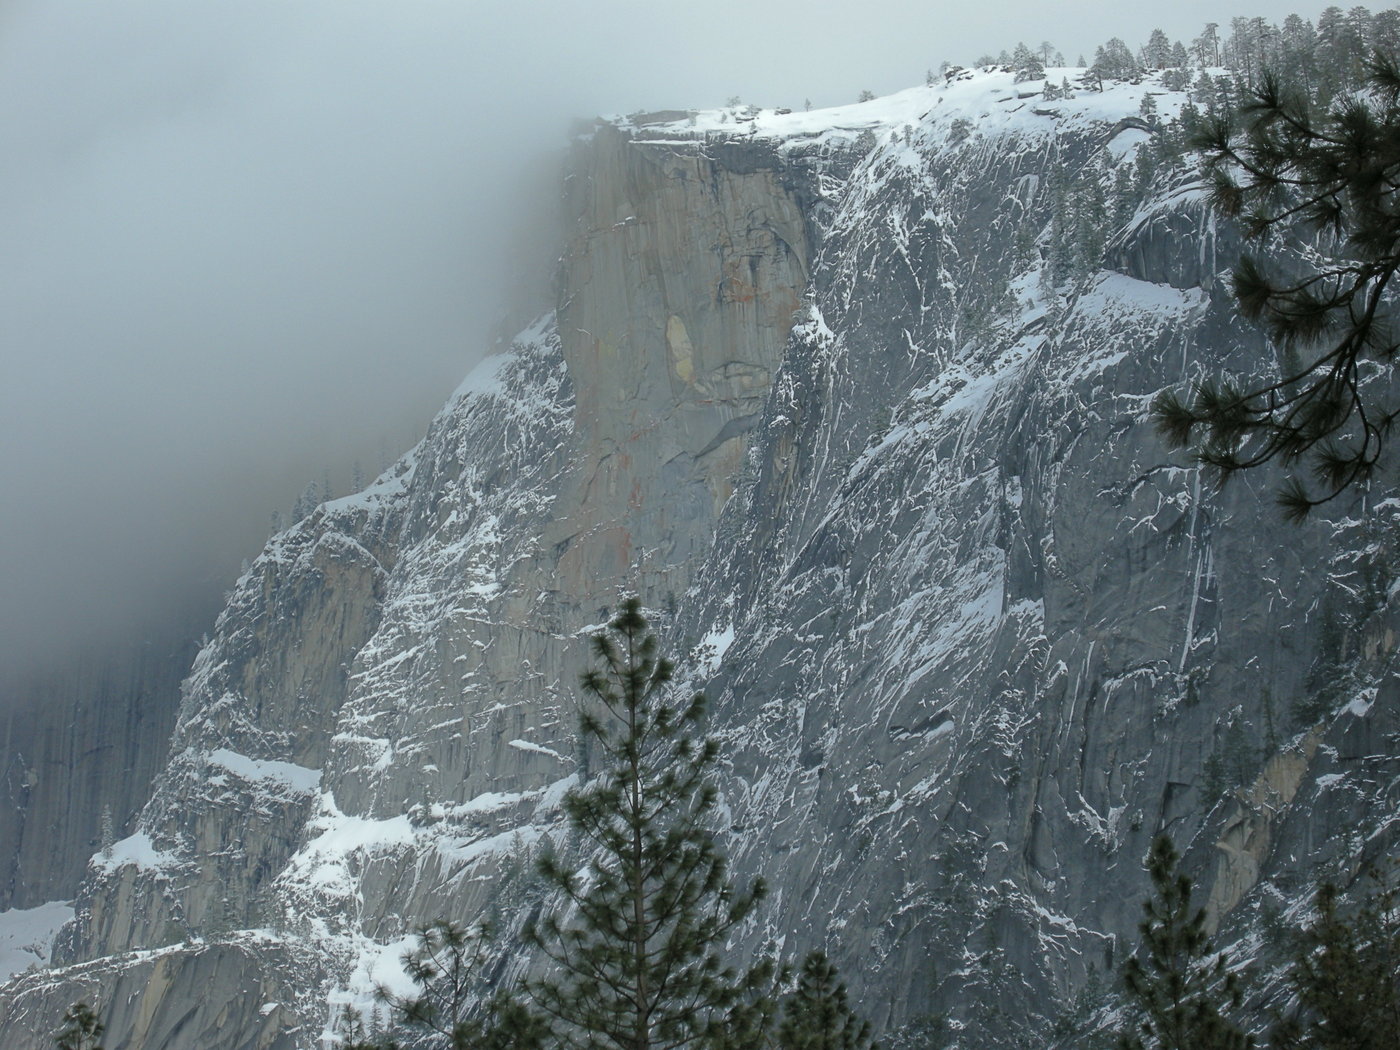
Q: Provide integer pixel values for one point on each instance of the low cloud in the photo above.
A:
(247, 242)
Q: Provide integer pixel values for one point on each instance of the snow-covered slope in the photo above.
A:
(889, 484)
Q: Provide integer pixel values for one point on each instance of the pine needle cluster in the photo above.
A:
(639, 956)
(1334, 176)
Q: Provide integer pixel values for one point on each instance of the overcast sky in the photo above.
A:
(243, 242)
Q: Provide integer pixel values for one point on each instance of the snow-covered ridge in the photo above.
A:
(989, 101)
(136, 850)
(287, 774)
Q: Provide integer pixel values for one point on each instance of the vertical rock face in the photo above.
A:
(971, 635)
(680, 280)
(377, 732)
(79, 748)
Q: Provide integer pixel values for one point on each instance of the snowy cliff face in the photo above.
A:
(80, 748)
(971, 636)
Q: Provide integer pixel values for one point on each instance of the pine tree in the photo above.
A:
(1060, 261)
(307, 502)
(81, 1029)
(1090, 223)
(1157, 52)
(641, 955)
(816, 1015)
(353, 1034)
(1027, 64)
(1125, 195)
(1385, 31)
(1114, 61)
(442, 964)
(1147, 109)
(1331, 176)
(107, 834)
(1346, 974)
(1176, 989)
(449, 1010)
(1207, 46)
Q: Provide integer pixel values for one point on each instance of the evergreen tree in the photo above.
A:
(107, 834)
(1334, 49)
(353, 1034)
(1296, 45)
(1114, 61)
(1060, 260)
(1207, 46)
(1147, 109)
(641, 957)
(443, 966)
(1177, 987)
(1332, 176)
(1385, 31)
(1125, 196)
(81, 1029)
(1203, 93)
(1157, 52)
(1091, 222)
(816, 1015)
(1028, 64)
(1347, 977)
(1176, 79)
(307, 502)
(450, 1009)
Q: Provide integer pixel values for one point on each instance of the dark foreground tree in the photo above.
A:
(442, 964)
(816, 1015)
(1332, 178)
(1346, 975)
(450, 1008)
(640, 954)
(1177, 979)
(81, 1029)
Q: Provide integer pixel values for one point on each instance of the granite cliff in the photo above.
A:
(972, 636)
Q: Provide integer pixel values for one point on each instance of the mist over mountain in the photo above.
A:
(245, 244)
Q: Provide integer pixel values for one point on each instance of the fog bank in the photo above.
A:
(247, 243)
